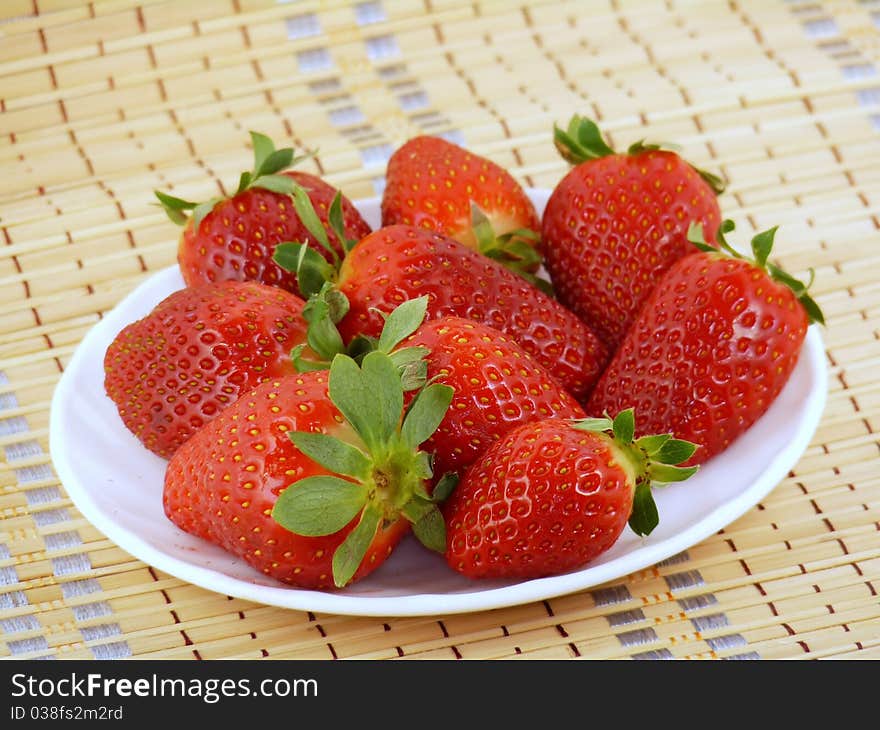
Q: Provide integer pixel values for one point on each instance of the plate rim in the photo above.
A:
(425, 604)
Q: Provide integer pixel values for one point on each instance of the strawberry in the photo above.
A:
(400, 262)
(434, 184)
(616, 222)
(313, 478)
(197, 351)
(497, 387)
(713, 345)
(552, 495)
(234, 237)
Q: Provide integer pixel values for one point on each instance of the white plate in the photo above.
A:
(117, 485)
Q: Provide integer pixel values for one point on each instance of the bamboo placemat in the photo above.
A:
(101, 102)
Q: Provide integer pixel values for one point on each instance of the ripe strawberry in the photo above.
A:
(196, 352)
(397, 263)
(233, 238)
(713, 346)
(434, 184)
(616, 222)
(497, 387)
(313, 478)
(552, 495)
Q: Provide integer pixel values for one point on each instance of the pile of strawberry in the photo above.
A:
(320, 389)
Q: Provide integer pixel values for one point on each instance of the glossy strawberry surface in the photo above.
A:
(431, 183)
(613, 225)
(497, 386)
(544, 499)
(397, 263)
(223, 483)
(199, 349)
(712, 348)
(237, 239)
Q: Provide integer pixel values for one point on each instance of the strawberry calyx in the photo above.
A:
(582, 140)
(325, 309)
(649, 460)
(268, 161)
(322, 311)
(378, 477)
(313, 270)
(762, 246)
(514, 249)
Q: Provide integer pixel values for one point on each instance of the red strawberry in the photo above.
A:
(713, 346)
(552, 495)
(233, 238)
(397, 263)
(196, 352)
(497, 387)
(616, 222)
(313, 478)
(433, 184)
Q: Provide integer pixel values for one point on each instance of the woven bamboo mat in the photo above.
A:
(101, 102)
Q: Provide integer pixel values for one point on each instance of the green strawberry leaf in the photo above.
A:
(814, 313)
(319, 505)
(511, 249)
(306, 212)
(644, 516)
(360, 345)
(482, 230)
(624, 426)
(696, 237)
(542, 284)
(783, 277)
(278, 160)
(402, 322)
(276, 183)
(263, 147)
(594, 424)
(801, 291)
(333, 453)
(445, 486)
(424, 469)
(413, 375)
(174, 207)
(267, 162)
(651, 444)
(716, 182)
(762, 245)
(425, 413)
(201, 210)
(427, 523)
(337, 223)
(312, 270)
(350, 554)
(666, 473)
(337, 303)
(636, 148)
(727, 226)
(580, 141)
(675, 451)
(407, 355)
(370, 397)
(322, 334)
(302, 365)
(243, 182)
